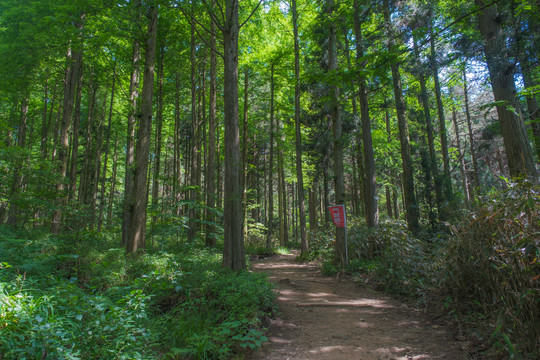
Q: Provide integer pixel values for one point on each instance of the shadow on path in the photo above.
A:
(328, 318)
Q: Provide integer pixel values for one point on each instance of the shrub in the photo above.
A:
(492, 269)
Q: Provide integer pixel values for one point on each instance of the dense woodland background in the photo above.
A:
(187, 132)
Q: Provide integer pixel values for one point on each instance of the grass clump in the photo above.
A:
(492, 271)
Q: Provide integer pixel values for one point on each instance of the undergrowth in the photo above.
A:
(83, 298)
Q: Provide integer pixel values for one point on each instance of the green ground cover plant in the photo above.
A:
(83, 298)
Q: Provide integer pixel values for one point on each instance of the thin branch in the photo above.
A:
(188, 17)
(218, 23)
(250, 15)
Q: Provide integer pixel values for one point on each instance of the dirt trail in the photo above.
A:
(329, 318)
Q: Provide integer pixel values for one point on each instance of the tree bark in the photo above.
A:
(313, 224)
(14, 209)
(107, 149)
(408, 180)
(113, 181)
(233, 250)
(211, 162)
(446, 179)
(159, 128)
(270, 223)
(501, 73)
(370, 186)
(245, 151)
(74, 61)
(130, 143)
(304, 246)
(471, 135)
(137, 230)
(335, 113)
(462, 167)
(432, 171)
(194, 149)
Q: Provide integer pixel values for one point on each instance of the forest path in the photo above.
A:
(336, 319)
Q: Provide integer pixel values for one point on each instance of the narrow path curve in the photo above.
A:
(328, 318)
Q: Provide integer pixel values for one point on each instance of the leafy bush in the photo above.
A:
(393, 259)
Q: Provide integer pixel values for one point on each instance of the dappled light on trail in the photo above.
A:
(335, 318)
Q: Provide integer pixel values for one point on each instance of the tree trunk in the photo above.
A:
(432, 170)
(194, 150)
(75, 140)
(408, 179)
(270, 223)
(137, 230)
(74, 61)
(501, 73)
(177, 179)
(233, 250)
(471, 135)
(298, 143)
(159, 127)
(107, 149)
(14, 209)
(85, 187)
(461, 161)
(356, 160)
(446, 180)
(326, 192)
(370, 186)
(282, 197)
(113, 181)
(244, 151)
(335, 113)
(130, 143)
(313, 207)
(211, 161)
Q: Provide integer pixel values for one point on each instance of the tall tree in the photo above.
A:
(370, 186)
(446, 180)
(338, 141)
(298, 132)
(411, 205)
(270, 224)
(501, 74)
(211, 160)
(74, 64)
(233, 250)
(130, 142)
(137, 229)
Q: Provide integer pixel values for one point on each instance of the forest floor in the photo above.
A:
(335, 318)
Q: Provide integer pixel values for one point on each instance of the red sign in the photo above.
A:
(338, 215)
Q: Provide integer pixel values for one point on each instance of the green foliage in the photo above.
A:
(390, 257)
(491, 270)
(83, 298)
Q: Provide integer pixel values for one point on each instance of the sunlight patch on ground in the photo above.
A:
(279, 340)
(354, 303)
(328, 349)
(402, 353)
(280, 266)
